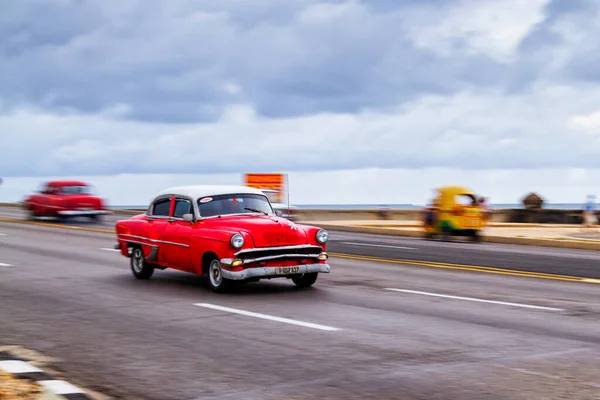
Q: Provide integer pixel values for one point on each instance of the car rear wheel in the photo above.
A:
(30, 214)
(305, 280)
(140, 268)
(215, 277)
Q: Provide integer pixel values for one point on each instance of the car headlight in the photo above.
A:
(237, 241)
(322, 236)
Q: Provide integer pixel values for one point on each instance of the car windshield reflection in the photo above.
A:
(212, 206)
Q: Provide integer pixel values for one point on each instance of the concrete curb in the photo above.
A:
(10, 204)
(111, 210)
(557, 243)
(53, 389)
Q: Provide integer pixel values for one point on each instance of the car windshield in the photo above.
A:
(75, 190)
(227, 204)
(466, 200)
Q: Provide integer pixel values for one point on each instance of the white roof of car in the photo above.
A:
(200, 191)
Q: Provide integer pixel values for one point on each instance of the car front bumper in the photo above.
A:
(275, 272)
(78, 213)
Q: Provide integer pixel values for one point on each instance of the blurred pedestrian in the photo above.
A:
(487, 210)
(589, 213)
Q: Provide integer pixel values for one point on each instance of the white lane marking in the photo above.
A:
(18, 367)
(5, 265)
(268, 317)
(2, 234)
(380, 245)
(476, 300)
(107, 249)
(60, 387)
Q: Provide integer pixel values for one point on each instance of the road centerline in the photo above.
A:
(5, 265)
(505, 303)
(379, 245)
(109, 249)
(267, 317)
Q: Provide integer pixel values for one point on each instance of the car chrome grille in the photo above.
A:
(273, 253)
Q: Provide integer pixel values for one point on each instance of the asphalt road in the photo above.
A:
(510, 257)
(367, 330)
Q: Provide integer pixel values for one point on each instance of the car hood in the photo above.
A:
(266, 231)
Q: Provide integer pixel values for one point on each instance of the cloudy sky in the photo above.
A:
(360, 101)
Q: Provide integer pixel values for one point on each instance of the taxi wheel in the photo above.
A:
(476, 237)
(446, 235)
(305, 280)
(215, 277)
(140, 268)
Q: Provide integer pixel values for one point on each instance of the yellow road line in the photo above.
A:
(471, 268)
(431, 264)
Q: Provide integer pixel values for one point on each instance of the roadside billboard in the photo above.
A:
(274, 183)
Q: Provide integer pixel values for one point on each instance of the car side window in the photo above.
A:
(48, 189)
(161, 208)
(182, 207)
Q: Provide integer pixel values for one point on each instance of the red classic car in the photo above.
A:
(229, 233)
(64, 199)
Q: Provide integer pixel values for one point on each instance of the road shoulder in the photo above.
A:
(25, 376)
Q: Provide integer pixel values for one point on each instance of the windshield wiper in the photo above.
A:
(255, 210)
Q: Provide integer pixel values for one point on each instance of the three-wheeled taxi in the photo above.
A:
(455, 212)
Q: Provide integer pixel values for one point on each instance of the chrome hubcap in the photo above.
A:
(215, 273)
(138, 260)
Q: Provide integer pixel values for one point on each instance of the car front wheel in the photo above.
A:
(139, 266)
(305, 280)
(215, 277)
(96, 218)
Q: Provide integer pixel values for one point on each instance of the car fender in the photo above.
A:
(215, 241)
(27, 203)
(136, 226)
(311, 234)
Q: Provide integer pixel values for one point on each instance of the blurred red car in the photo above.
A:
(63, 199)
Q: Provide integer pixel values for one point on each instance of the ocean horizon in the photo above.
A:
(556, 206)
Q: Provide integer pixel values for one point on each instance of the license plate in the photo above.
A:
(287, 270)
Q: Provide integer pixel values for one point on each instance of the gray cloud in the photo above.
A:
(170, 60)
(148, 86)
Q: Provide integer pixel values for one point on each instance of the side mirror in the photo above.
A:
(188, 217)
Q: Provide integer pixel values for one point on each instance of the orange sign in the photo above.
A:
(275, 182)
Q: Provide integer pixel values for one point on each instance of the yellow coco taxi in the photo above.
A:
(456, 212)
